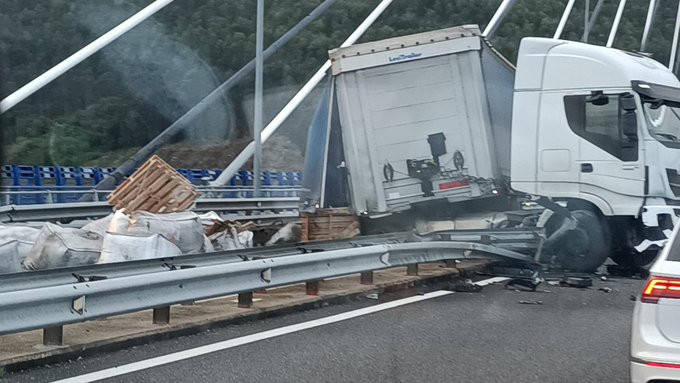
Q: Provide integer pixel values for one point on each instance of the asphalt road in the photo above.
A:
(575, 335)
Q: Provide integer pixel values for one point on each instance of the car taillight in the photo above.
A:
(663, 365)
(660, 287)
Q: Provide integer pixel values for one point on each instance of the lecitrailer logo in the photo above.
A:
(404, 57)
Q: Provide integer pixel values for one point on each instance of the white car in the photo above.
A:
(655, 340)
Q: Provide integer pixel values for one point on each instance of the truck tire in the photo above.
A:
(586, 247)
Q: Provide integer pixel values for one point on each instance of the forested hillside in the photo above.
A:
(124, 95)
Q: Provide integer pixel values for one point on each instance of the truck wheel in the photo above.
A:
(585, 248)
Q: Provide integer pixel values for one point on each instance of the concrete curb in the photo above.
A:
(72, 352)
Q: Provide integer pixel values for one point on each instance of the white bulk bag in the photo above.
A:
(183, 229)
(58, 246)
(22, 233)
(99, 226)
(12, 254)
(122, 247)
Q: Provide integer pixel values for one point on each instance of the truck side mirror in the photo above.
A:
(628, 102)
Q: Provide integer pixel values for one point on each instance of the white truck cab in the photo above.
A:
(599, 125)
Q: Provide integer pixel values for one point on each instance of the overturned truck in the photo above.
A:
(437, 131)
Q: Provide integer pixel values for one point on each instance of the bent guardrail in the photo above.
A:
(52, 306)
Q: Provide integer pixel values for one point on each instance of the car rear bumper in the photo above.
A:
(649, 345)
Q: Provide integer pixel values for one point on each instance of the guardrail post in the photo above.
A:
(245, 300)
(161, 315)
(412, 269)
(367, 278)
(312, 288)
(53, 336)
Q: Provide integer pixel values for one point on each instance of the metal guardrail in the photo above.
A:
(65, 275)
(234, 208)
(44, 307)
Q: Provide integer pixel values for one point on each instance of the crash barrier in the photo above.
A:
(229, 208)
(44, 299)
(25, 184)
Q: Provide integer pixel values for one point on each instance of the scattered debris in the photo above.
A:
(603, 278)
(606, 289)
(530, 302)
(466, 286)
(529, 284)
(231, 239)
(602, 270)
(289, 233)
(155, 187)
(515, 272)
(577, 281)
(554, 283)
(372, 296)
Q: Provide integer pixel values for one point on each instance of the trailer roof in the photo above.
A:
(397, 49)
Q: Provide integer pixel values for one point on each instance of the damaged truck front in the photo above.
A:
(439, 130)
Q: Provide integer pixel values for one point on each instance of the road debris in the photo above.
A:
(466, 286)
(530, 302)
(372, 296)
(526, 283)
(601, 270)
(606, 289)
(577, 281)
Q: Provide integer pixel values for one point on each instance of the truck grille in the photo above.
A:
(674, 181)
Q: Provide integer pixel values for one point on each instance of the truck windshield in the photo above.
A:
(664, 123)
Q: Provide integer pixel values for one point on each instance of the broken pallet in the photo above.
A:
(155, 187)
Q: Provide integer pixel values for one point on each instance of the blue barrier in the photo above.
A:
(70, 178)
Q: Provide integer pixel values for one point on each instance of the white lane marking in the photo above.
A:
(490, 281)
(231, 343)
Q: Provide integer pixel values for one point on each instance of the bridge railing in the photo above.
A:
(24, 184)
(24, 195)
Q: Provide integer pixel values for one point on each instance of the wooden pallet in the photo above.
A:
(155, 187)
(327, 224)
